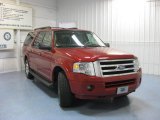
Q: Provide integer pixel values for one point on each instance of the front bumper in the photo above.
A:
(80, 82)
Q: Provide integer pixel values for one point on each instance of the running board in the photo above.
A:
(41, 79)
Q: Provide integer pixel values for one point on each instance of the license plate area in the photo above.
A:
(122, 90)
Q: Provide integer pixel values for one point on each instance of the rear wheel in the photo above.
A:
(64, 92)
(27, 70)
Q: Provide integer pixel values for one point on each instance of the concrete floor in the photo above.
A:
(22, 99)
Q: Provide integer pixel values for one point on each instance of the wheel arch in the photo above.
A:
(55, 72)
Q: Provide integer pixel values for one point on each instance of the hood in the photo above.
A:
(93, 54)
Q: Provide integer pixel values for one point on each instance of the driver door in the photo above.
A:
(46, 56)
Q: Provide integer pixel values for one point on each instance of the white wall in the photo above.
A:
(129, 25)
(88, 14)
(134, 27)
(44, 14)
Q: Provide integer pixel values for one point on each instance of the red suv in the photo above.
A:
(81, 64)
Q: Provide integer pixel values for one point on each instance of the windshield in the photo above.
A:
(77, 39)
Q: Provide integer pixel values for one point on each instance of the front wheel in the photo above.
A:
(64, 91)
(27, 70)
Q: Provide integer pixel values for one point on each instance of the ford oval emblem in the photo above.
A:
(120, 67)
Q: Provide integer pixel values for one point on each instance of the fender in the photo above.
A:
(65, 65)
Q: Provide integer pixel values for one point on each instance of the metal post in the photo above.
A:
(18, 42)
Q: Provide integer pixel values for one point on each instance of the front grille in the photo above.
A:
(117, 67)
(119, 83)
(116, 62)
(118, 72)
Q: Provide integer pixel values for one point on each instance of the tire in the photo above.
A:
(64, 92)
(27, 70)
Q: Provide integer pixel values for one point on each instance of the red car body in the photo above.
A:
(45, 63)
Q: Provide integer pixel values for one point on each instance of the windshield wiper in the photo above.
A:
(62, 46)
(93, 45)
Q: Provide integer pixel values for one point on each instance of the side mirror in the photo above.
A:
(43, 47)
(107, 44)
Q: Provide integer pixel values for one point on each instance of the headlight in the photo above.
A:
(136, 64)
(84, 67)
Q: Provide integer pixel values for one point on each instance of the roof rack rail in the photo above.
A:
(47, 27)
(73, 28)
(56, 27)
(65, 28)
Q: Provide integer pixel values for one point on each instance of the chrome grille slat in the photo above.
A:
(118, 70)
(119, 74)
(116, 60)
(117, 67)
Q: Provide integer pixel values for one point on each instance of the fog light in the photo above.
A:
(90, 87)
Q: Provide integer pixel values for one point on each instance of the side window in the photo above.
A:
(47, 41)
(38, 39)
(90, 38)
(28, 39)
